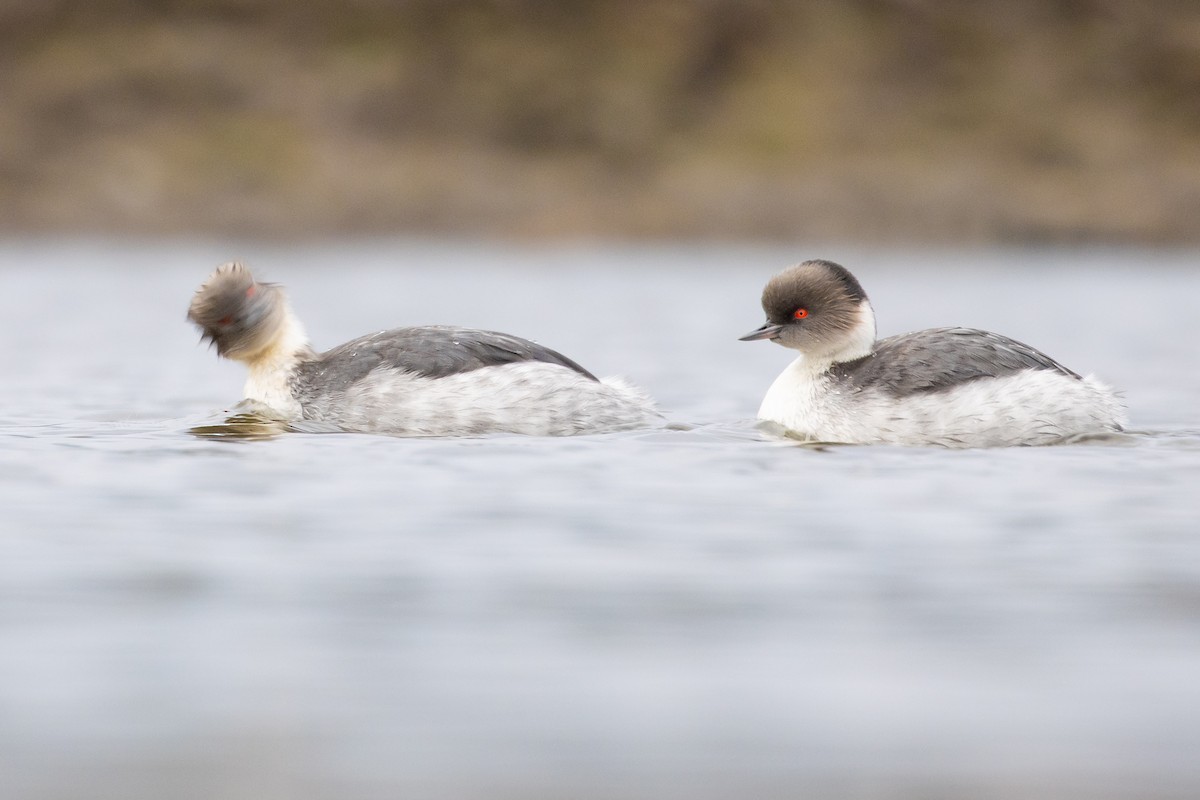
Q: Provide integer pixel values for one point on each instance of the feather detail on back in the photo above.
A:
(940, 358)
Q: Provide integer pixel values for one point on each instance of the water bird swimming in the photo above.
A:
(421, 381)
(955, 387)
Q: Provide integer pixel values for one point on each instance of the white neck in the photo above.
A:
(271, 367)
(798, 398)
(859, 342)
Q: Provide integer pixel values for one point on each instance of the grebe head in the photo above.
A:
(241, 317)
(820, 309)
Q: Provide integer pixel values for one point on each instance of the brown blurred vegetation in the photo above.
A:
(884, 120)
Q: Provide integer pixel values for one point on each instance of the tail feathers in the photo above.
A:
(1112, 413)
(637, 399)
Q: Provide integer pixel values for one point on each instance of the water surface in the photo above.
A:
(693, 612)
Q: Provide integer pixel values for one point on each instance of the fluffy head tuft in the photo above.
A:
(819, 286)
(241, 317)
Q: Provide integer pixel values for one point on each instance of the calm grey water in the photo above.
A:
(694, 612)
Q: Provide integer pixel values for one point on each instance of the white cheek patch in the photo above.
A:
(851, 344)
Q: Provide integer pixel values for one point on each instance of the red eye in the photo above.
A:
(801, 313)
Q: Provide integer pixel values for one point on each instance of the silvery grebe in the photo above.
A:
(956, 387)
(422, 381)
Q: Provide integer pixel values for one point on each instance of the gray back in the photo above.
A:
(940, 358)
(431, 351)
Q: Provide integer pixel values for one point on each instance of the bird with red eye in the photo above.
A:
(954, 387)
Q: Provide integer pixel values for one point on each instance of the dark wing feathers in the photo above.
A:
(432, 352)
(939, 358)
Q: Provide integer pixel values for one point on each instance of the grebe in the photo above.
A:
(422, 381)
(955, 387)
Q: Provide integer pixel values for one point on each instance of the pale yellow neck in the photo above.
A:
(271, 367)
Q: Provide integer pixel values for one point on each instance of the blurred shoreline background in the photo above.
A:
(891, 121)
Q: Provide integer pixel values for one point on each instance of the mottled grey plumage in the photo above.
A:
(435, 351)
(938, 359)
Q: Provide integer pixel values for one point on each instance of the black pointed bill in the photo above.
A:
(768, 331)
